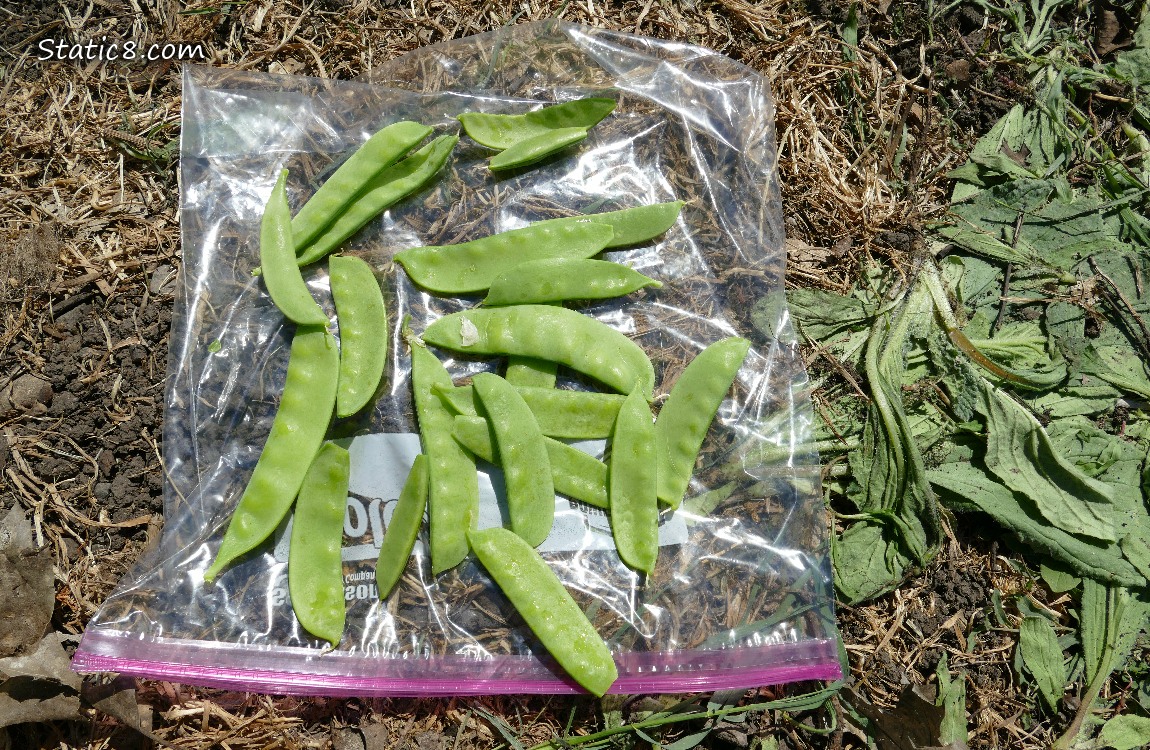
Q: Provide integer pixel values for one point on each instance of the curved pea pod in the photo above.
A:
(296, 436)
(526, 466)
(470, 267)
(315, 567)
(536, 148)
(502, 131)
(573, 415)
(362, 320)
(631, 225)
(384, 190)
(453, 484)
(282, 278)
(547, 332)
(547, 607)
(573, 472)
(340, 189)
(559, 279)
(402, 529)
(632, 486)
(687, 414)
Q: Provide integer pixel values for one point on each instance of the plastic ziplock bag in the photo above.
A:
(741, 595)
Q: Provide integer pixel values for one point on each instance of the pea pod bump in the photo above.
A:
(296, 436)
(536, 148)
(315, 567)
(385, 189)
(362, 320)
(453, 485)
(352, 177)
(470, 267)
(631, 225)
(573, 415)
(402, 529)
(526, 466)
(631, 481)
(547, 607)
(547, 332)
(574, 473)
(503, 131)
(282, 278)
(559, 279)
(687, 414)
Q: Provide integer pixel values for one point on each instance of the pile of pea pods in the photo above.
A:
(517, 421)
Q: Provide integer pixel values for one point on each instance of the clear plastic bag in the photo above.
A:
(741, 595)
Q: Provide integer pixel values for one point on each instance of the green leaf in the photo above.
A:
(966, 483)
(1058, 579)
(1118, 365)
(821, 315)
(952, 699)
(1019, 453)
(1093, 633)
(1126, 732)
(1043, 658)
(867, 563)
(1072, 401)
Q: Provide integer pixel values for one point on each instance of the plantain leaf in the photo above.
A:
(867, 562)
(1043, 658)
(1126, 732)
(952, 699)
(1019, 453)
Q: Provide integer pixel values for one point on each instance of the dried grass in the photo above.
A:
(82, 161)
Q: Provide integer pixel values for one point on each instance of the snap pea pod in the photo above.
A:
(362, 331)
(573, 472)
(402, 529)
(547, 607)
(470, 267)
(687, 414)
(315, 570)
(574, 415)
(631, 225)
(502, 131)
(284, 283)
(547, 332)
(559, 279)
(631, 480)
(529, 371)
(526, 467)
(453, 485)
(536, 148)
(296, 435)
(340, 189)
(385, 189)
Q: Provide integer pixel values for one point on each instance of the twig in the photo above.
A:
(1006, 274)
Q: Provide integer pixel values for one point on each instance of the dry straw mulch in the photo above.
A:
(89, 249)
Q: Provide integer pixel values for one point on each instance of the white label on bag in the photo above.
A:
(379, 467)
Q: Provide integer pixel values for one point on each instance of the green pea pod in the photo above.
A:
(573, 472)
(315, 568)
(362, 319)
(503, 131)
(536, 148)
(632, 482)
(687, 414)
(529, 371)
(296, 436)
(547, 332)
(453, 485)
(631, 225)
(402, 529)
(384, 190)
(282, 278)
(559, 279)
(470, 267)
(572, 415)
(526, 466)
(547, 607)
(346, 183)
